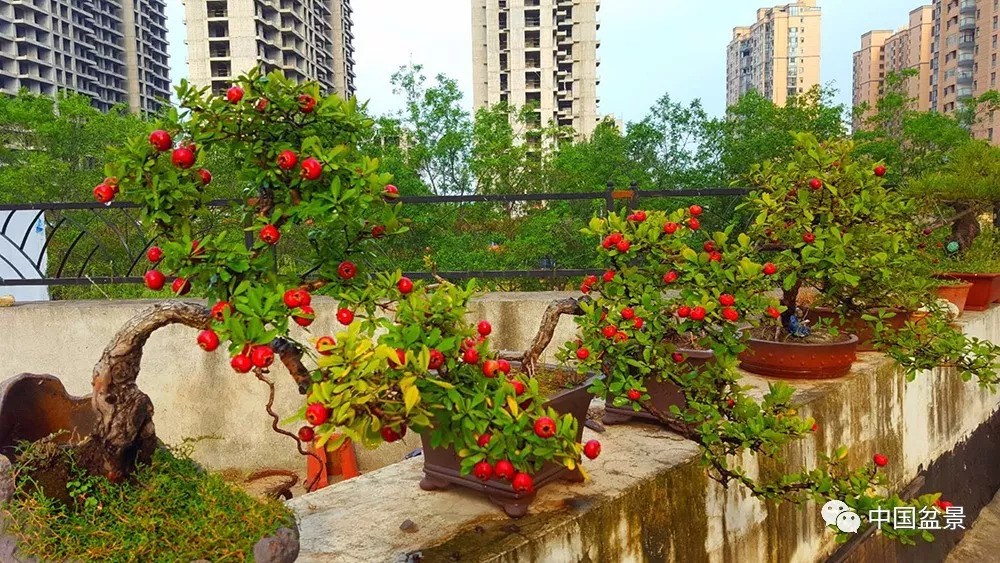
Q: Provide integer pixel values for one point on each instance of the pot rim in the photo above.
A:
(852, 341)
(974, 275)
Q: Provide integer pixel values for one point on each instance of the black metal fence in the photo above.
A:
(95, 244)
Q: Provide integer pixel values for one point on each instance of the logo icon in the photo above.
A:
(848, 522)
(836, 513)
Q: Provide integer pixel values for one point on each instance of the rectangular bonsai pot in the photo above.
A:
(442, 465)
(985, 289)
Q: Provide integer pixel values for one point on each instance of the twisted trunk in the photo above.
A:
(966, 227)
(546, 329)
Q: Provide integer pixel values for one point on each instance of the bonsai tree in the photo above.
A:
(671, 289)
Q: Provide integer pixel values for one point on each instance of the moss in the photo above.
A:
(171, 511)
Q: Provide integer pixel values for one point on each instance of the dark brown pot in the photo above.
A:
(985, 289)
(859, 327)
(442, 465)
(958, 295)
(792, 360)
(662, 394)
(34, 406)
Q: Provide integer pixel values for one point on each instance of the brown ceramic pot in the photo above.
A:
(984, 292)
(792, 360)
(662, 394)
(957, 294)
(859, 327)
(442, 465)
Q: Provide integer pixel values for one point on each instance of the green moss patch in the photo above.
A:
(172, 511)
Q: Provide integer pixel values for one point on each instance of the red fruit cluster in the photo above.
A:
(670, 227)
(241, 364)
(638, 216)
(727, 300)
(295, 298)
(588, 283)
(104, 192)
(304, 315)
(698, 313)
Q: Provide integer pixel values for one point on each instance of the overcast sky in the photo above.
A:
(648, 47)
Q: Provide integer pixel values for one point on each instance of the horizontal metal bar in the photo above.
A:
(61, 206)
(71, 281)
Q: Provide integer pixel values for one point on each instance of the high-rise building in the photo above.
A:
(778, 56)
(885, 51)
(541, 53)
(95, 47)
(305, 39)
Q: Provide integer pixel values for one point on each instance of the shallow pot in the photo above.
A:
(984, 292)
(957, 295)
(859, 327)
(662, 394)
(793, 360)
(442, 465)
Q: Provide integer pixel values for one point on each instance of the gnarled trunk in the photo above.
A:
(966, 227)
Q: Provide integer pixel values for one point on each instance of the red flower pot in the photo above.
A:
(958, 295)
(793, 360)
(859, 327)
(985, 289)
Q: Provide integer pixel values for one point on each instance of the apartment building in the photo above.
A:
(305, 39)
(886, 51)
(97, 48)
(538, 52)
(778, 56)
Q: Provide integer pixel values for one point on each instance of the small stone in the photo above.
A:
(409, 526)
(282, 547)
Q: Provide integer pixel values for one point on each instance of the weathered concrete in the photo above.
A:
(649, 499)
(982, 541)
(197, 394)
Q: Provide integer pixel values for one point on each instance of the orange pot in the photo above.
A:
(956, 294)
(984, 292)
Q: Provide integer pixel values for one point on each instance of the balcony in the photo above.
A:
(967, 7)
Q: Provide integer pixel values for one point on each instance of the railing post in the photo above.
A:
(633, 202)
(609, 199)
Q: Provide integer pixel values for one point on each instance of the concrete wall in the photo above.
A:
(197, 394)
(649, 498)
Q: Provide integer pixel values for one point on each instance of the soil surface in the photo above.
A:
(774, 334)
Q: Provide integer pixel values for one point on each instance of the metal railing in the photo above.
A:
(60, 244)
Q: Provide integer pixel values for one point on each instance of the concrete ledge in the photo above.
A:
(649, 499)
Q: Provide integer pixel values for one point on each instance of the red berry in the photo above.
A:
(608, 276)
(483, 471)
(154, 279)
(628, 313)
(683, 311)
(773, 312)
(609, 331)
(504, 366)
(880, 460)
(468, 343)
(944, 505)
(606, 243)
(208, 340)
(698, 314)
(241, 363)
(727, 300)
(306, 103)
(154, 254)
(709, 246)
(196, 250)
(670, 277)
(504, 470)
(615, 238)
(634, 394)
(545, 427)
(234, 94)
(523, 483)
(623, 246)
(809, 238)
(484, 328)
(390, 192)
(104, 193)
(638, 216)
(182, 157)
(694, 224)
(670, 227)
(325, 345)
(814, 427)
(490, 368)
(816, 184)
(161, 140)
(220, 309)
(311, 169)
(678, 357)
(304, 298)
(715, 256)
(880, 170)
(770, 269)
(270, 234)
(730, 314)
(262, 356)
(304, 315)
(261, 105)
(294, 298)
(582, 353)
(621, 336)
(287, 160)
(638, 323)
(347, 270)
(695, 210)
(180, 286)
(399, 360)
(592, 449)
(390, 435)
(470, 356)
(205, 176)
(317, 414)
(404, 285)
(436, 361)
(519, 387)
(306, 434)
(378, 231)
(484, 439)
